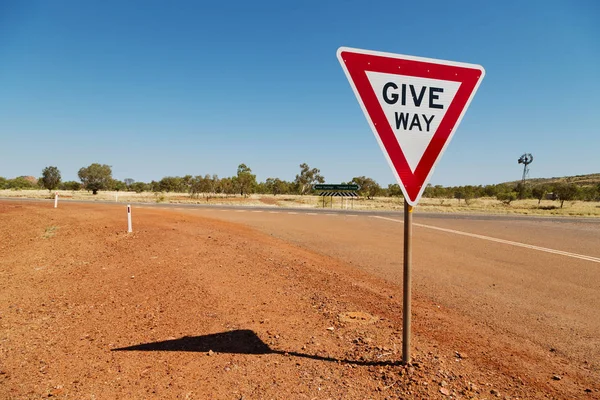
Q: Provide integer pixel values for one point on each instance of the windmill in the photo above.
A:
(525, 159)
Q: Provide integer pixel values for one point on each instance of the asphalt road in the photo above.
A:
(336, 211)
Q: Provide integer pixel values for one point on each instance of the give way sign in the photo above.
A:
(413, 106)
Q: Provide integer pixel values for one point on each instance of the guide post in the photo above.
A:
(129, 229)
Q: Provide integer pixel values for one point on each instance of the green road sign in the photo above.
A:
(336, 187)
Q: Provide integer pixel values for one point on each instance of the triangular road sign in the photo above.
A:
(413, 106)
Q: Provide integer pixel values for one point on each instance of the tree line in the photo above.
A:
(97, 177)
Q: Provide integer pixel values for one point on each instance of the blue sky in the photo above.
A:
(157, 88)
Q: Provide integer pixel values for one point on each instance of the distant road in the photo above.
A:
(392, 214)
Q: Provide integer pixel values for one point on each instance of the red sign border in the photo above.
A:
(357, 62)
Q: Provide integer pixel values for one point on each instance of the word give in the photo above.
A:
(426, 96)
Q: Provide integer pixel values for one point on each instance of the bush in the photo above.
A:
(70, 185)
(506, 197)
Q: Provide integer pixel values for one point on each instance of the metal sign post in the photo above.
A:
(408, 209)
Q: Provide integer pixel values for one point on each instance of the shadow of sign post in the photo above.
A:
(242, 341)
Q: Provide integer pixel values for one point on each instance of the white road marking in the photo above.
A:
(312, 213)
(291, 212)
(509, 242)
(257, 211)
(240, 210)
(273, 212)
(352, 215)
(330, 214)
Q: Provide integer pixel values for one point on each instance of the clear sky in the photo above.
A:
(165, 88)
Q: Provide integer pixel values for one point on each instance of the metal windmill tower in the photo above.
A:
(525, 159)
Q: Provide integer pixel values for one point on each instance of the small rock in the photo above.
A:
(588, 390)
(495, 392)
(210, 353)
(557, 377)
(443, 383)
(445, 391)
(331, 328)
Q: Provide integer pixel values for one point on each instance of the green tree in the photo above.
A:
(172, 184)
(154, 186)
(506, 197)
(523, 191)
(276, 186)
(429, 191)
(589, 193)
(139, 187)
(459, 193)
(186, 184)
(394, 190)
(20, 182)
(118, 185)
(70, 185)
(368, 187)
(490, 190)
(245, 180)
(95, 177)
(50, 178)
(539, 192)
(469, 193)
(566, 192)
(202, 184)
(227, 186)
(307, 178)
(128, 182)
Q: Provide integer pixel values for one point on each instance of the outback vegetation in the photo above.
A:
(98, 177)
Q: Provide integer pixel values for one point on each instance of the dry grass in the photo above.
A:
(483, 205)
(49, 232)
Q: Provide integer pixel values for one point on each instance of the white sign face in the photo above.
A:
(414, 108)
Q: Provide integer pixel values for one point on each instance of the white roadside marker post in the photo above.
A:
(55, 199)
(129, 230)
(116, 197)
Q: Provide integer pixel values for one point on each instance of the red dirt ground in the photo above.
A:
(195, 308)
